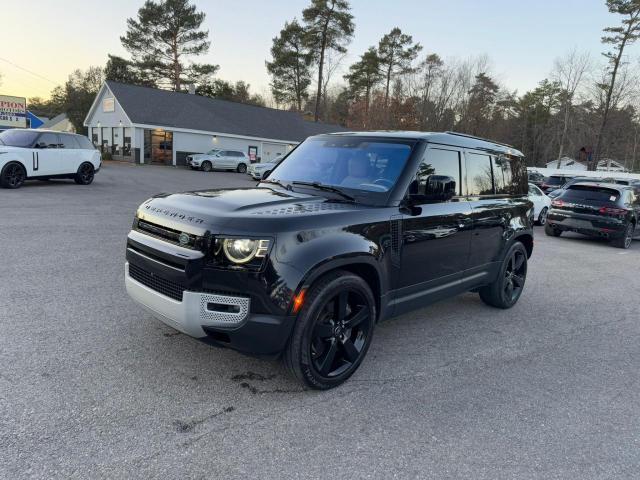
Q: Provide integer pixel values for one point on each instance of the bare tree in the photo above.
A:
(569, 71)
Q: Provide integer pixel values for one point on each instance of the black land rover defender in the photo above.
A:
(349, 229)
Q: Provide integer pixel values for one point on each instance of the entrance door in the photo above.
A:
(161, 146)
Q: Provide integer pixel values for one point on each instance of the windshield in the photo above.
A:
(587, 193)
(18, 138)
(355, 164)
(213, 151)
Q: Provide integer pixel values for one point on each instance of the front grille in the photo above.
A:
(161, 285)
(165, 233)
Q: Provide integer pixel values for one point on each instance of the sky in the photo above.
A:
(45, 40)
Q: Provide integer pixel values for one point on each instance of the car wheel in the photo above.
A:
(505, 291)
(13, 175)
(242, 168)
(333, 331)
(552, 232)
(626, 239)
(542, 218)
(206, 166)
(85, 174)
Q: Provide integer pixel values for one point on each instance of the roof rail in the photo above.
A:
(450, 132)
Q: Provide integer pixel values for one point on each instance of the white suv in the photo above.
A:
(220, 160)
(42, 154)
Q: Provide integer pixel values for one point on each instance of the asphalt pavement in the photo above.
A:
(91, 386)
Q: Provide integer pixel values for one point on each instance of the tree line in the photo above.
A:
(585, 109)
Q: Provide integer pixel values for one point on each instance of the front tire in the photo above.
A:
(206, 166)
(505, 291)
(626, 239)
(12, 176)
(333, 331)
(242, 168)
(85, 174)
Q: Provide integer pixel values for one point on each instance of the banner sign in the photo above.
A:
(13, 112)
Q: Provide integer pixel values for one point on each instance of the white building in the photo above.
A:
(567, 163)
(148, 125)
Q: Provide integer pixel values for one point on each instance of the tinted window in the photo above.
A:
(48, 140)
(479, 178)
(68, 141)
(553, 180)
(84, 142)
(502, 177)
(18, 138)
(440, 162)
(584, 193)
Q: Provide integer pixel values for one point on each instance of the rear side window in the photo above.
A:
(585, 193)
(68, 141)
(48, 140)
(502, 177)
(441, 162)
(479, 176)
(84, 142)
(556, 180)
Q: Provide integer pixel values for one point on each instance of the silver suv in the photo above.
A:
(222, 160)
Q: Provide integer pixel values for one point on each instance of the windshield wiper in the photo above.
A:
(326, 188)
(277, 182)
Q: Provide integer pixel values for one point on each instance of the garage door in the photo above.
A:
(270, 151)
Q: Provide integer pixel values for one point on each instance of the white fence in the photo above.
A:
(582, 173)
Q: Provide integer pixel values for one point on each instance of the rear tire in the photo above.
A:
(552, 232)
(333, 331)
(505, 291)
(85, 174)
(542, 218)
(12, 176)
(206, 166)
(626, 239)
(242, 168)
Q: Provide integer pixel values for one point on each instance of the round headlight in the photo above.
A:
(240, 250)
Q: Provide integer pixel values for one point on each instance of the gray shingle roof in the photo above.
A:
(181, 110)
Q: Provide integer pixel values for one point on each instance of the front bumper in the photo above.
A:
(219, 319)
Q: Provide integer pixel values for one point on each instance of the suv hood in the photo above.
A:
(245, 209)
(200, 156)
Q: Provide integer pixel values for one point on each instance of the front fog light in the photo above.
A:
(243, 250)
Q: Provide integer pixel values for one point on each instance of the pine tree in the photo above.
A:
(162, 37)
(396, 52)
(329, 26)
(290, 67)
(121, 70)
(363, 76)
(620, 37)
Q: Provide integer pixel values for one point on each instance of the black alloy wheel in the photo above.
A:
(13, 176)
(206, 166)
(85, 174)
(333, 331)
(505, 291)
(626, 239)
(242, 168)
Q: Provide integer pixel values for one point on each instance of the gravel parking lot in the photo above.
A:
(93, 387)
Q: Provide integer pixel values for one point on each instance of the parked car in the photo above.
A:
(554, 182)
(350, 229)
(261, 170)
(606, 210)
(536, 178)
(27, 154)
(541, 204)
(196, 160)
(224, 160)
(558, 191)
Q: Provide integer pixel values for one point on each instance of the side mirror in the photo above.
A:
(435, 188)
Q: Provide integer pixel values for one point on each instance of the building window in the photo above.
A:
(94, 137)
(158, 146)
(107, 140)
(127, 142)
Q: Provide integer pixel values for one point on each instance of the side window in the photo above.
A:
(84, 142)
(502, 175)
(532, 190)
(440, 162)
(68, 141)
(238, 154)
(48, 140)
(479, 177)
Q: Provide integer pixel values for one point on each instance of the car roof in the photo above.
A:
(612, 186)
(454, 139)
